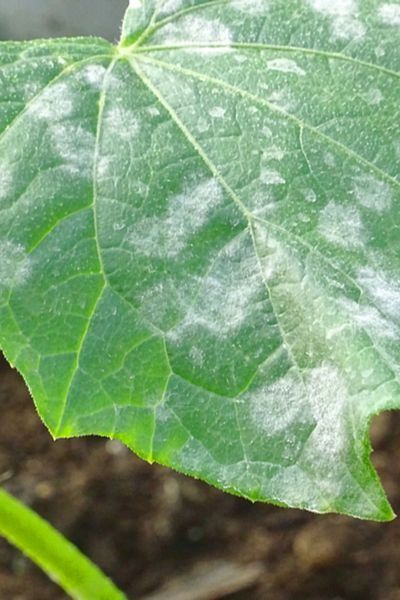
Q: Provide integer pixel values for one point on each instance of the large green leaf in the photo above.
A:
(199, 239)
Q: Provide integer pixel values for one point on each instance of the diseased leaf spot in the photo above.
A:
(195, 29)
(217, 112)
(384, 291)
(390, 14)
(15, 265)
(285, 65)
(75, 146)
(6, 180)
(373, 193)
(344, 17)
(271, 177)
(373, 96)
(186, 214)
(121, 122)
(276, 406)
(93, 75)
(371, 320)
(341, 225)
(253, 8)
(55, 103)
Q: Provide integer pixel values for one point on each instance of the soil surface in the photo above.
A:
(149, 527)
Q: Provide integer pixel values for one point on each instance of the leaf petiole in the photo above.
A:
(53, 553)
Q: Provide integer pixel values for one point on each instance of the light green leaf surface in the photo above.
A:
(199, 239)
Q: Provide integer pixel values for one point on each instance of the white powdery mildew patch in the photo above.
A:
(171, 6)
(253, 8)
(195, 29)
(153, 111)
(187, 213)
(93, 75)
(369, 319)
(373, 97)
(328, 396)
(275, 407)
(273, 153)
(31, 89)
(343, 13)
(121, 122)
(279, 263)
(319, 394)
(390, 14)
(105, 167)
(373, 193)
(15, 264)
(384, 292)
(217, 112)
(6, 180)
(75, 146)
(285, 65)
(329, 159)
(341, 225)
(310, 195)
(282, 98)
(227, 304)
(271, 177)
(55, 103)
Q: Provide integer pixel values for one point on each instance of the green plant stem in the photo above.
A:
(60, 559)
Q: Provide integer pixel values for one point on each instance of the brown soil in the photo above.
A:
(147, 526)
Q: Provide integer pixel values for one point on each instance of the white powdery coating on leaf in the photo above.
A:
(121, 122)
(31, 89)
(285, 65)
(343, 14)
(253, 8)
(273, 153)
(279, 263)
(275, 407)
(6, 180)
(105, 167)
(390, 14)
(320, 395)
(384, 292)
(270, 177)
(282, 98)
(217, 112)
(328, 396)
(153, 111)
(55, 103)
(194, 29)
(335, 8)
(373, 97)
(227, 304)
(171, 6)
(187, 213)
(93, 75)
(227, 301)
(373, 193)
(75, 146)
(15, 264)
(341, 225)
(370, 320)
(310, 195)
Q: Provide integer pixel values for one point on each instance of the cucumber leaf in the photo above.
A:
(199, 240)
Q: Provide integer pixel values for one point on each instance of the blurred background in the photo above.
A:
(159, 535)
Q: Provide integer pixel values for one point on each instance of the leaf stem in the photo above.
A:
(60, 559)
